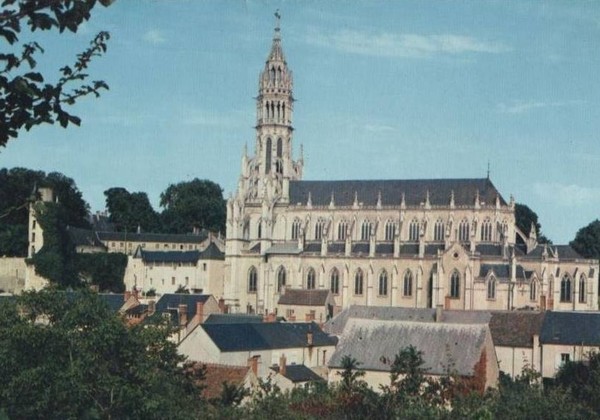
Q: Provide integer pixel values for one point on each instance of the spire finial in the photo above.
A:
(277, 24)
(488, 170)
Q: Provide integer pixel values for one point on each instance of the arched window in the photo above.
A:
(319, 228)
(438, 231)
(281, 279)
(358, 282)
(334, 284)
(565, 289)
(486, 230)
(413, 231)
(279, 166)
(390, 230)
(533, 290)
(252, 280)
(259, 230)
(272, 74)
(455, 285)
(582, 294)
(383, 283)
(408, 284)
(463, 231)
(246, 230)
(311, 279)
(342, 229)
(491, 288)
(296, 228)
(268, 156)
(365, 231)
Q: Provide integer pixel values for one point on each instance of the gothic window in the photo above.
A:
(486, 230)
(296, 228)
(246, 230)
(342, 229)
(283, 110)
(266, 114)
(413, 231)
(334, 284)
(259, 229)
(383, 283)
(279, 147)
(491, 288)
(272, 75)
(252, 280)
(268, 157)
(438, 230)
(565, 289)
(463, 231)
(358, 282)
(365, 231)
(311, 279)
(280, 279)
(582, 296)
(279, 74)
(319, 228)
(390, 230)
(408, 284)
(455, 285)
(533, 290)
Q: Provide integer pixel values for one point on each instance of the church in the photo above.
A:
(414, 243)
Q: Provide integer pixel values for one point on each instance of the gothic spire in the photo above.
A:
(276, 53)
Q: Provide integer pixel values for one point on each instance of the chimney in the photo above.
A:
(182, 310)
(126, 295)
(200, 311)
(282, 363)
(151, 307)
(270, 317)
(439, 313)
(253, 364)
(222, 305)
(309, 338)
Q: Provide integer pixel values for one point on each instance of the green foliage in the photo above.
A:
(524, 217)
(182, 289)
(56, 260)
(587, 240)
(582, 380)
(65, 355)
(193, 204)
(106, 270)
(129, 210)
(16, 189)
(151, 292)
(27, 99)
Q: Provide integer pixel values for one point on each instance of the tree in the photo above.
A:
(27, 99)
(105, 270)
(128, 211)
(193, 204)
(587, 240)
(65, 355)
(524, 218)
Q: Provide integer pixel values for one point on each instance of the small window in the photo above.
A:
(438, 231)
(358, 282)
(252, 280)
(383, 283)
(565, 289)
(33, 237)
(463, 231)
(342, 230)
(33, 224)
(413, 231)
(582, 294)
(296, 228)
(334, 285)
(455, 285)
(390, 230)
(204, 266)
(491, 288)
(281, 279)
(408, 284)
(486, 231)
(365, 232)
(310, 279)
(533, 291)
(565, 358)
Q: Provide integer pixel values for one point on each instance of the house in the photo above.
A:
(516, 336)
(306, 305)
(287, 377)
(260, 344)
(466, 350)
(218, 375)
(567, 336)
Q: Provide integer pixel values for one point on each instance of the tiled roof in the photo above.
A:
(170, 256)
(571, 328)
(153, 237)
(303, 297)
(414, 190)
(515, 328)
(299, 373)
(375, 343)
(265, 336)
(233, 319)
(337, 324)
(216, 375)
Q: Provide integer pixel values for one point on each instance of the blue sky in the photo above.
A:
(385, 90)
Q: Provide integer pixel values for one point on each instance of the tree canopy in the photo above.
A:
(128, 211)
(524, 218)
(587, 240)
(27, 97)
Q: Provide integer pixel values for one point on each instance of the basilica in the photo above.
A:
(418, 243)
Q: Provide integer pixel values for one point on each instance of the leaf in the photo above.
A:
(36, 77)
(75, 120)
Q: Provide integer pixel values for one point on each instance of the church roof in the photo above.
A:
(415, 192)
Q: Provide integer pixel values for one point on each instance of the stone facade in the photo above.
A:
(407, 243)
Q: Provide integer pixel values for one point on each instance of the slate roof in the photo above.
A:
(212, 252)
(304, 297)
(84, 237)
(336, 248)
(502, 271)
(265, 336)
(282, 248)
(115, 301)
(169, 256)
(409, 249)
(360, 248)
(313, 247)
(491, 250)
(337, 324)
(299, 373)
(432, 249)
(565, 252)
(515, 328)
(571, 328)
(169, 303)
(233, 319)
(414, 190)
(374, 344)
(153, 237)
(387, 249)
